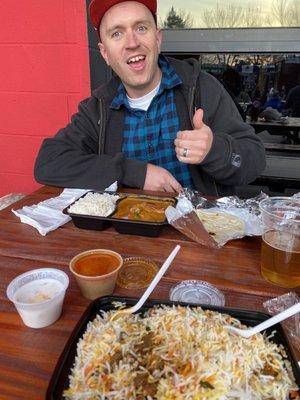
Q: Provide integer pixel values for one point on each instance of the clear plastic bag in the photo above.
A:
(292, 324)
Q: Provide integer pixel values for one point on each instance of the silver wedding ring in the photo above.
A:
(185, 151)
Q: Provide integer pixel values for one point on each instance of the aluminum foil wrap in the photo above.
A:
(185, 218)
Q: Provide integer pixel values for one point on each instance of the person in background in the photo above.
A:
(254, 108)
(158, 124)
(292, 104)
(256, 94)
(270, 92)
(282, 92)
(274, 101)
(232, 81)
(244, 97)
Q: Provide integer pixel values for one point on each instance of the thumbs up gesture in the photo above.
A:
(192, 146)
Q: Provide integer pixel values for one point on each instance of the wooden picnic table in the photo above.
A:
(290, 129)
(28, 356)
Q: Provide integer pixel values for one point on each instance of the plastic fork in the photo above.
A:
(150, 288)
(246, 333)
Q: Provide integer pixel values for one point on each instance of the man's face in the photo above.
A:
(130, 44)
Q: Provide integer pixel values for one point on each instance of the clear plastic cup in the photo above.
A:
(280, 251)
(38, 295)
(96, 272)
(197, 292)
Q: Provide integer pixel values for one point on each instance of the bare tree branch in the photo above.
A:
(286, 12)
(233, 16)
(293, 14)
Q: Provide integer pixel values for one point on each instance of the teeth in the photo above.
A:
(136, 59)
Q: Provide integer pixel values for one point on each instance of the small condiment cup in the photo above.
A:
(38, 295)
(96, 272)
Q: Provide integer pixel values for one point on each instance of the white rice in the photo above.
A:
(97, 204)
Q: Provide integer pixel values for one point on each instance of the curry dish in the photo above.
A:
(142, 209)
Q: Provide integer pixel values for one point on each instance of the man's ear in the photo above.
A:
(103, 52)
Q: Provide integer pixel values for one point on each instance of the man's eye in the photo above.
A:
(142, 28)
(116, 35)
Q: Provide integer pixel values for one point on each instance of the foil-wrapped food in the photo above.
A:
(215, 222)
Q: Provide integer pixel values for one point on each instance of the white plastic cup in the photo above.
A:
(38, 295)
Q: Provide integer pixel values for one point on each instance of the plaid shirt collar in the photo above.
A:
(169, 80)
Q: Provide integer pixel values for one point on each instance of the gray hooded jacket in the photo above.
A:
(87, 153)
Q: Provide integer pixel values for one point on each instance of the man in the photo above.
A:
(159, 124)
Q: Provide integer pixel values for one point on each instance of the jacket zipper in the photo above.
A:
(101, 127)
(192, 98)
(216, 188)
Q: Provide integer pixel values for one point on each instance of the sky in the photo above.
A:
(195, 7)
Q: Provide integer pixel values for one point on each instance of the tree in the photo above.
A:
(280, 11)
(223, 16)
(252, 16)
(294, 15)
(286, 12)
(233, 16)
(179, 19)
(231, 60)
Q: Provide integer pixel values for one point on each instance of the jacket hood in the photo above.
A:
(187, 69)
(107, 90)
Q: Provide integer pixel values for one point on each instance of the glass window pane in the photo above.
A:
(264, 87)
(251, 77)
(228, 13)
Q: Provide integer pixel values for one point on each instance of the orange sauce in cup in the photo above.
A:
(96, 264)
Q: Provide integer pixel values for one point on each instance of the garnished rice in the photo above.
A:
(97, 204)
(176, 353)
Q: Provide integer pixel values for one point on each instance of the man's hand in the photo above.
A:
(192, 146)
(158, 178)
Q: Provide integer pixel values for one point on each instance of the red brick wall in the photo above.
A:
(44, 72)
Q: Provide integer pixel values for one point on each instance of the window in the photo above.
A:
(228, 13)
(247, 66)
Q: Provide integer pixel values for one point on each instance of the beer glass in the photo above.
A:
(280, 251)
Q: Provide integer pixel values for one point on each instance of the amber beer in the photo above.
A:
(280, 258)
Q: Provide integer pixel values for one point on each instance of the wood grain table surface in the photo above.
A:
(28, 356)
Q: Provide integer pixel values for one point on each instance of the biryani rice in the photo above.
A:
(176, 353)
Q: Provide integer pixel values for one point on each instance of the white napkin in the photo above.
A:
(47, 215)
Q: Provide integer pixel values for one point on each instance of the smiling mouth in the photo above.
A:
(136, 59)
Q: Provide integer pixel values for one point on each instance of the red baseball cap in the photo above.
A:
(98, 8)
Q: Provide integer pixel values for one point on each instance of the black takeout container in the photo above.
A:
(60, 378)
(132, 227)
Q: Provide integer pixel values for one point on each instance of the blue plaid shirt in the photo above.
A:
(149, 135)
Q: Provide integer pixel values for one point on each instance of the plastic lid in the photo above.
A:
(136, 273)
(198, 292)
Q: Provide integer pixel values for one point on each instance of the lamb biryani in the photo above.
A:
(177, 353)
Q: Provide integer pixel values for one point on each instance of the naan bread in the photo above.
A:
(221, 225)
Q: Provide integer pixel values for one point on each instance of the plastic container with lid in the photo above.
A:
(38, 295)
(197, 292)
(136, 273)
